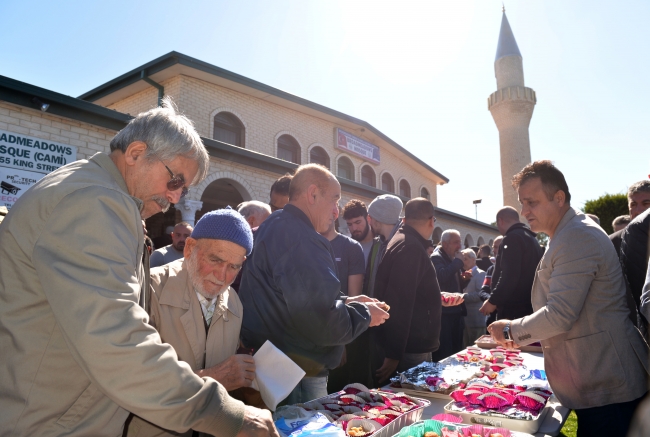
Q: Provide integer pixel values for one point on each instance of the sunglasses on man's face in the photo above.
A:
(176, 181)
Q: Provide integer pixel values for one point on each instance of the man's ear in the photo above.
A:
(250, 220)
(190, 243)
(560, 198)
(136, 150)
(312, 193)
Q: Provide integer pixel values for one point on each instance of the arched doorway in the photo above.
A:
(469, 241)
(221, 193)
(480, 242)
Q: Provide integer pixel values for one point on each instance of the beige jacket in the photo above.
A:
(176, 314)
(593, 355)
(77, 352)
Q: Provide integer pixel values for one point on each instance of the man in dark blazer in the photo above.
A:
(519, 255)
(595, 359)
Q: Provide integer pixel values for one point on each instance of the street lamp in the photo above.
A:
(476, 202)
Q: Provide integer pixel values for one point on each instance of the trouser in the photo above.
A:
(451, 336)
(409, 361)
(471, 333)
(512, 312)
(308, 389)
(612, 419)
(357, 368)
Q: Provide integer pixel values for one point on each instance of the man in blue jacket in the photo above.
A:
(448, 261)
(290, 290)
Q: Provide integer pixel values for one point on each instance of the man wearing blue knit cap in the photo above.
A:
(195, 310)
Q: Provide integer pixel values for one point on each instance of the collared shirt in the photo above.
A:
(207, 306)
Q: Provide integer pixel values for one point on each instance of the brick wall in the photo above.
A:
(264, 122)
(89, 139)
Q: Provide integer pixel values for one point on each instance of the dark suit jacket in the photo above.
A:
(634, 253)
(519, 255)
(616, 240)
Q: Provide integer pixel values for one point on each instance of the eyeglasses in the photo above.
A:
(176, 181)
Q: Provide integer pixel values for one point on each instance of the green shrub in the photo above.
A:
(607, 208)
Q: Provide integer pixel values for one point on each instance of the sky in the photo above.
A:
(419, 71)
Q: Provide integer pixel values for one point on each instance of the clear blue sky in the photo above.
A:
(419, 71)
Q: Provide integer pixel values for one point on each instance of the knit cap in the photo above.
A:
(386, 209)
(225, 224)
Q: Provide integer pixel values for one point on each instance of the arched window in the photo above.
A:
(425, 193)
(318, 155)
(404, 188)
(289, 149)
(469, 241)
(345, 168)
(368, 176)
(228, 129)
(387, 183)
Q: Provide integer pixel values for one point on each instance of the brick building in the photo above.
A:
(254, 133)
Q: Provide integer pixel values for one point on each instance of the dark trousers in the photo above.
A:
(357, 367)
(513, 312)
(612, 419)
(451, 336)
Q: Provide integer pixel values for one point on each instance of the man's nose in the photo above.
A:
(220, 272)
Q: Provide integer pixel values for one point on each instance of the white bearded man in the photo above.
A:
(195, 310)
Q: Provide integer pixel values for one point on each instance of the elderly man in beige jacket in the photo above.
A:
(195, 310)
(77, 351)
(595, 359)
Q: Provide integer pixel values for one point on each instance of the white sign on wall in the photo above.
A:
(356, 146)
(25, 160)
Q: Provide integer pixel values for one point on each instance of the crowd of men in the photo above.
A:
(92, 340)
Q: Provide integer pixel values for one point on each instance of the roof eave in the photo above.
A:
(174, 57)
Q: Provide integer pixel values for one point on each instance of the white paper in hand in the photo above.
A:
(276, 375)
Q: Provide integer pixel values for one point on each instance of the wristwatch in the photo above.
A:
(506, 332)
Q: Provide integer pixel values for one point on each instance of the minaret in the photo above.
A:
(512, 108)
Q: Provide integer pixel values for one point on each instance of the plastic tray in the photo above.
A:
(412, 392)
(486, 342)
(527, 426)
(513, 433)
(404, 420)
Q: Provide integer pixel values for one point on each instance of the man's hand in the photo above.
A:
(496, 331)
(257, 423)
(487, 308)
(361, 299)
(451, 299)
(387, 369)
(237, 371)
(378, 313)
(459, 255)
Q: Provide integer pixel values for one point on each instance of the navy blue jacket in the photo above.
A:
(292, 296)
(448, 272)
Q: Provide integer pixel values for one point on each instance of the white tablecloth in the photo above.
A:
(553, 421)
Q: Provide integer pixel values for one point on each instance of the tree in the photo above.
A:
(607, 208)
(542, 239)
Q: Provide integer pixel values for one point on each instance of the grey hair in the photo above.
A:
(639, 187)
(469, 252)
(253, 207)
(446, 235)
(168, 135)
